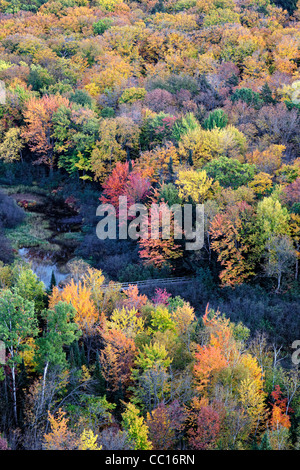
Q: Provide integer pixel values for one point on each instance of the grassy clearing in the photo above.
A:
(69, 236)
(22, 188)
(34, 231)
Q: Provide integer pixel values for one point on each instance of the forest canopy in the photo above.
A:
(165, 102)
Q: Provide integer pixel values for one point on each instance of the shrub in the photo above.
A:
(81, 97)
(216, 118)
(248, 96)
(101, 26)
(230, 172)
(130, 95)
(107, 112)
(11, 214)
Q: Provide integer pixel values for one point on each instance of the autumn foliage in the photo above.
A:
(138, 341)
(80, 297)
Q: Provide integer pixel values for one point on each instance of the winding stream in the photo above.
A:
(62, 221)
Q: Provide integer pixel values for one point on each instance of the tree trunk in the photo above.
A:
(13, 373)
(278, 282)
(44, 383)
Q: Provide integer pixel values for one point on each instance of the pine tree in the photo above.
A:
(170, 167)
(216, 118)
(75, 359)
(100, 381)
(265, 443)
(266, 94)
(52, 282)
(83, 358)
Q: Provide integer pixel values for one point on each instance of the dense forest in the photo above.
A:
(140, 344)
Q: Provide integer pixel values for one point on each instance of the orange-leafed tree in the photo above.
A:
(220, 332)
(117, 360)
(60, 437)
(280, 421)
(80, 297)
(39, 129)
(209, 360)
(233, 240)
(269, 160)
(219, 351)
(280, 410)
(163, 156)
(133, 298)
(148, 164)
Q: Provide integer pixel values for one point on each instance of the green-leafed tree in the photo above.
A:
(60, 331)
(18, 322)
(230, 172)
(136, 428)
(216, 118)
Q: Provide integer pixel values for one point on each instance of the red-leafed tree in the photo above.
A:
(137, 188)
(203, 435)
(279, 409)
(291, 192)
(123, 182)
(161, 297)
(160, 249)
(165, 424)
(117, 360)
